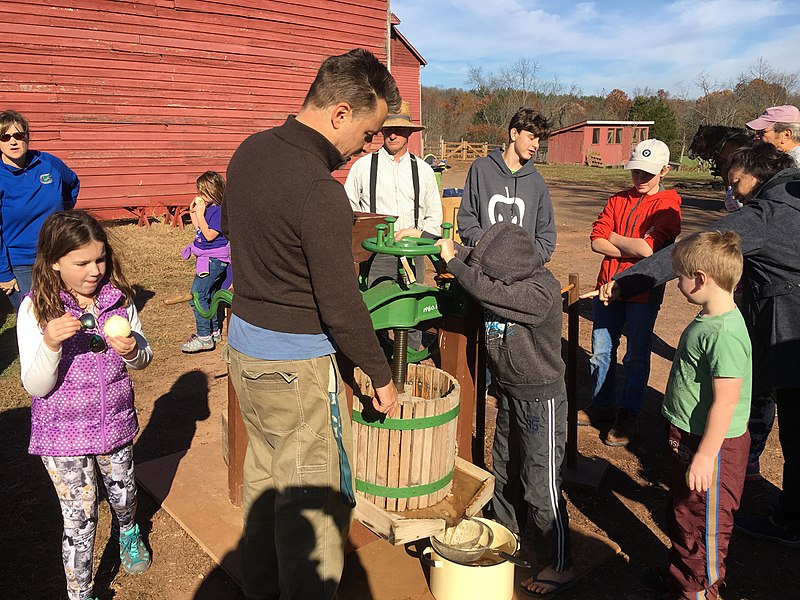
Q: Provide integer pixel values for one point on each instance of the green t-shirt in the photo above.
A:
(710, 347)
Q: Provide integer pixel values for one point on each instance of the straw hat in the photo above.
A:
(402, 119)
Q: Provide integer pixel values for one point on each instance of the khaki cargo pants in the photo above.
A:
(295, 518)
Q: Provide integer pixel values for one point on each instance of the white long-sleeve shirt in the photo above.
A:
(394, 192)
(39, 364)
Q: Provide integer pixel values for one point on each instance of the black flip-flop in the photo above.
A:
(558, 587)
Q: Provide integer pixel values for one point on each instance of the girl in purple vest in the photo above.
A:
(78, 333)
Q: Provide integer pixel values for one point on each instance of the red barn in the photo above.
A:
(610, 140)
(405, 65)
(141, 97)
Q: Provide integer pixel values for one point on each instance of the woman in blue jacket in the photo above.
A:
(33, 185)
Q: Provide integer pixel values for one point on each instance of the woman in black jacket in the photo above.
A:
(768, 223)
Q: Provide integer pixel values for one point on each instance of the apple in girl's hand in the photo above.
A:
(117, 326)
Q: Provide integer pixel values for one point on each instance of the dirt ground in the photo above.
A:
(180, 399)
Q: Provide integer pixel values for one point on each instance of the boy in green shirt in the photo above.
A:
(707, 404)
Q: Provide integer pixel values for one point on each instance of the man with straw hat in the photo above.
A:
(392, 181)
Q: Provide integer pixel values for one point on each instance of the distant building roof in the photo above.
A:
(607, 123)
(395, 22)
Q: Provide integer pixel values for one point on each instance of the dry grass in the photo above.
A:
(152, 263)
(612, 178)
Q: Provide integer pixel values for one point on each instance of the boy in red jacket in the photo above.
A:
(634, 224)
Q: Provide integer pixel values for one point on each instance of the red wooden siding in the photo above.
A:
(565, 147)
(570, 144)
(139, 98)
(405, 69)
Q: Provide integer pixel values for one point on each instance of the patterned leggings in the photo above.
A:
(75, 480)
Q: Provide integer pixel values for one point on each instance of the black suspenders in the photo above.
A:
(373, 185)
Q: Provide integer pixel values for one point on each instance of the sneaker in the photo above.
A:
(216, 336)
(197, 344)
(592, 415)
(767, 528)
(623, 429)
(133, 554)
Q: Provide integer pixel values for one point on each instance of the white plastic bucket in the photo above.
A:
(454, 581)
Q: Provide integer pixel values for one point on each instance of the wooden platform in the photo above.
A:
(192, 487)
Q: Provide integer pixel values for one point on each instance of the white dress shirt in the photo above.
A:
(394, 192)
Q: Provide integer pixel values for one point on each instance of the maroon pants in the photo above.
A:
(700, 523)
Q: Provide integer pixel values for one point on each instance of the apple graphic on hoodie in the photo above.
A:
(506, 208)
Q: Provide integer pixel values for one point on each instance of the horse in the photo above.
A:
(715, 143)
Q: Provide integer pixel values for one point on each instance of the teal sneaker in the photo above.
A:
(133, 554)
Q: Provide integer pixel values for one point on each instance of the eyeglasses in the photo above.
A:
(17, 135)
(96, 342)
(760, 133)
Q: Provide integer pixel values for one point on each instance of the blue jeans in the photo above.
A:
(205, 288)
(637, 320)
(22, 273)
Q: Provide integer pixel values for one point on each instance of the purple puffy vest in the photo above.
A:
(90, 408)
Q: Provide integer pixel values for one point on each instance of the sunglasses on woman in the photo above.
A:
(96, 342)
(17, 135)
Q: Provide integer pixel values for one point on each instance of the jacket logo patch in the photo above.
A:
(46, 178)
(506, 208)
(532, 424)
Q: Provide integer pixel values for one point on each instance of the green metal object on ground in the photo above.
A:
(219, 297)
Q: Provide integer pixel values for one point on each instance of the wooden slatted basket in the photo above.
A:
(406, 462)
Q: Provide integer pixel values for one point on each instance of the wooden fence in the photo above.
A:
(461, 150)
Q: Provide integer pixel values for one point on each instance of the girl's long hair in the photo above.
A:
(62, 233)
(211, 185)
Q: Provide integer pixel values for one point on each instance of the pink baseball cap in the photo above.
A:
(776, 114)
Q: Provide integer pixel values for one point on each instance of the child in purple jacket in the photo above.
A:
(213, 254)
(78, 332)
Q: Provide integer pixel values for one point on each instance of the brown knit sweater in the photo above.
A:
(289, 223)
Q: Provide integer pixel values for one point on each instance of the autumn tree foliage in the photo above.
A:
(656, 108)
(482, 112)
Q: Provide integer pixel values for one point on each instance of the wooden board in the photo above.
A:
(472, 489)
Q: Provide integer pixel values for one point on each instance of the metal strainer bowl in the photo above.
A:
(465, 548)
(466, 534)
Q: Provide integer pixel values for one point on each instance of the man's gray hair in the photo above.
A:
(793, 127)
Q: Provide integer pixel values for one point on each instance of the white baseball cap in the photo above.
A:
(650, 156)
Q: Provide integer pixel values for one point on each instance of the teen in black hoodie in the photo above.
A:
(522, 304)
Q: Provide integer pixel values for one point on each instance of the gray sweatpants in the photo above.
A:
(527, 455)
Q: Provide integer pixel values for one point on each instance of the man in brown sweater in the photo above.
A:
(296, 303)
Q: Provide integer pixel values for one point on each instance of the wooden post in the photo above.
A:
(462, 356)
(237, 446)
(442, 149)
(573, 340)
(237, 438)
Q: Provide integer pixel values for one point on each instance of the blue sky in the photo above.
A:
(603, 45)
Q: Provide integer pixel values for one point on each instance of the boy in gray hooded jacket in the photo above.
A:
(522, 307)
(506, 187)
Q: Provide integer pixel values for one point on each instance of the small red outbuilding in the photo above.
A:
(610, 140)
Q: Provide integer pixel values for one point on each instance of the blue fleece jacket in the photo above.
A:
(27, 197)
